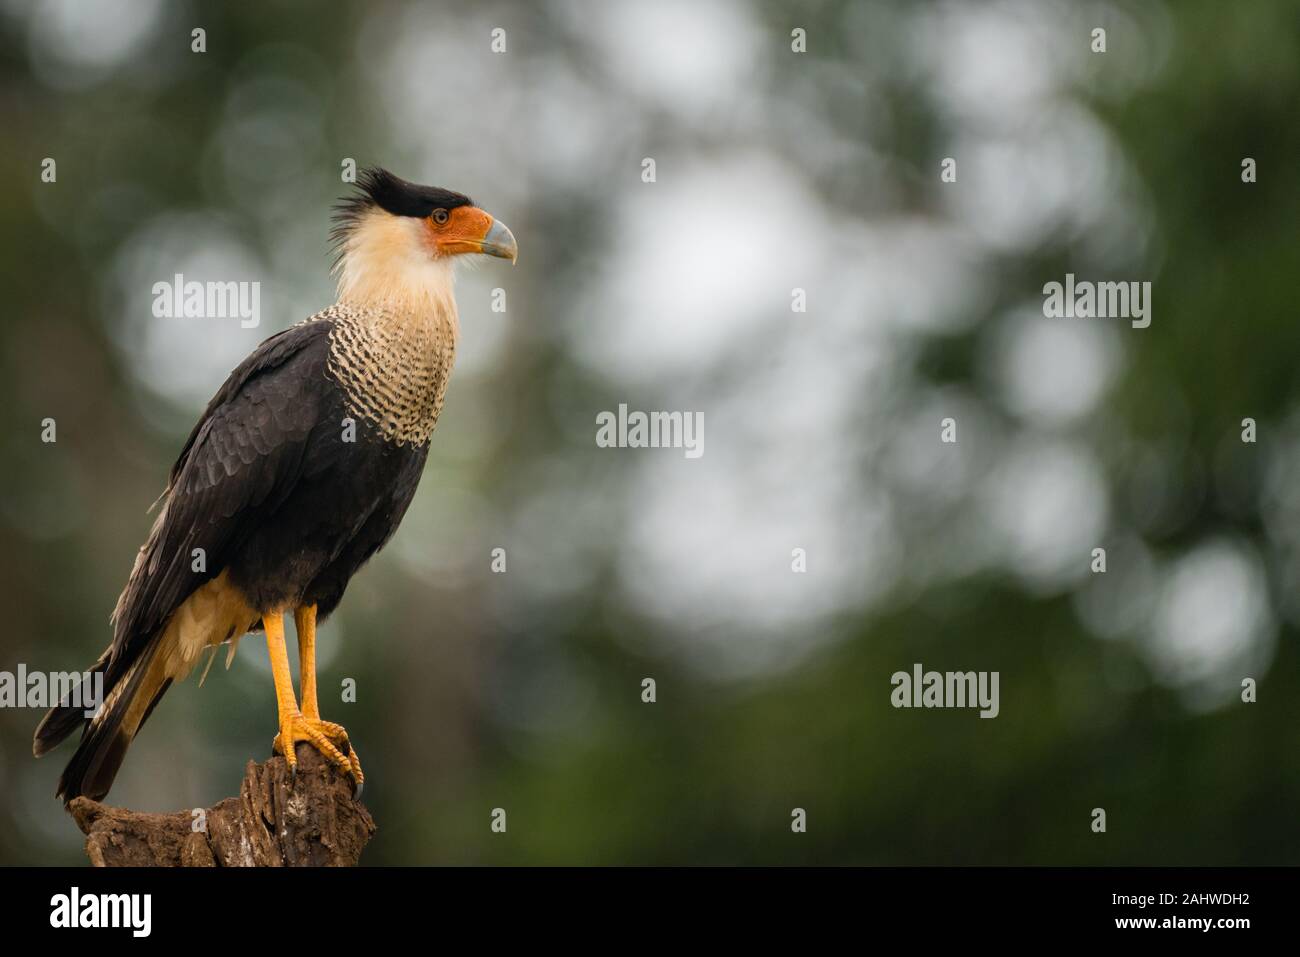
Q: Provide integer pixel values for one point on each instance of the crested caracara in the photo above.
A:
(299, 470)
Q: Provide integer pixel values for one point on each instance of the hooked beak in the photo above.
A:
(500, 242)
(471, 230)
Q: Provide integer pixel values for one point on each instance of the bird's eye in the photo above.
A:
(440, 217)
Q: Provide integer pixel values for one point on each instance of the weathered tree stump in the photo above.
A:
(316, 824)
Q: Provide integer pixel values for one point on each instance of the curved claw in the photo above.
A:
(321, 735)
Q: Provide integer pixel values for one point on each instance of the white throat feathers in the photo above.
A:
(389, 262)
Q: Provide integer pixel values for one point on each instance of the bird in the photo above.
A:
(299, 470)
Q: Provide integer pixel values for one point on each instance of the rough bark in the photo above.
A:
(316, 824)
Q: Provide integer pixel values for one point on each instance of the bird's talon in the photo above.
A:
(322, 736)
(354, 769)
(335, 732)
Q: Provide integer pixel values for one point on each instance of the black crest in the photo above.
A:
(379, 189)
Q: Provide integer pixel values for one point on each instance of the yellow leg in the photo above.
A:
(294, 725)
(304, 620)
(286, 706)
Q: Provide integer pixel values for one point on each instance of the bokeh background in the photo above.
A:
(775, 170)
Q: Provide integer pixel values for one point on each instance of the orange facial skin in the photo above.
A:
(463, 232)
(468, 229)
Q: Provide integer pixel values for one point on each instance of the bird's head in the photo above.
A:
(397, 241)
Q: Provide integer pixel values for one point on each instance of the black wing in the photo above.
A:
(242, 459)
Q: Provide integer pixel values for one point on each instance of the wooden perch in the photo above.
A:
(317, 824)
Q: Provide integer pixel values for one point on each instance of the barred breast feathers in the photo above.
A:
(395, 328)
